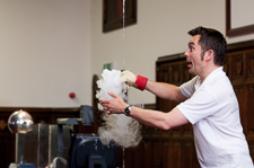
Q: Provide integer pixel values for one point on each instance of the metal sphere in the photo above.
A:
(20, 122)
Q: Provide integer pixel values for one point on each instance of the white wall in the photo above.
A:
(161, 30)
(44, 52)
(51, 47)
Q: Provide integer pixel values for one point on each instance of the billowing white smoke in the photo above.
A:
(118, 128)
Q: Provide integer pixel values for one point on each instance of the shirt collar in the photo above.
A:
(213, 74)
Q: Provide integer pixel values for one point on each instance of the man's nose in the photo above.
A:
(186, 53)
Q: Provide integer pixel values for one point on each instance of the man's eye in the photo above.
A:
(190, 46)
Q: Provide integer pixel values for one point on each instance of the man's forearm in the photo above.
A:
(165, 91)
(159, 119)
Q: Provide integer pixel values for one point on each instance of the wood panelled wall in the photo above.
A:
(175, 148)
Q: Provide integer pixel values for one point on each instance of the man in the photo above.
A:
(208, 102)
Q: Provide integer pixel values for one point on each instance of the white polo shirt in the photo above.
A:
(213, 110)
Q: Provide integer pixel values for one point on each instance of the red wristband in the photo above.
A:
(141, 82)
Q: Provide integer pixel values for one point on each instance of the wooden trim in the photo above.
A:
(240, 45)
(113, 16)
(42, 114)
(170, 57)
(232, 32)
(150, 106)
(40, 109)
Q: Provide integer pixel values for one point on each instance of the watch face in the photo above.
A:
(127, 110)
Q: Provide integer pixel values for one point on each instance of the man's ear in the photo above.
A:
(209, 55)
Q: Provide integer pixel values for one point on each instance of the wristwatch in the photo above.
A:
(127, 110)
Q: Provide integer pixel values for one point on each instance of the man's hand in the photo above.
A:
(114, 105)
(131, 79)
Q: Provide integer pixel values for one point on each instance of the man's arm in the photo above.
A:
(158, 119)
(162, 90)
(165, 91)
(162, 120)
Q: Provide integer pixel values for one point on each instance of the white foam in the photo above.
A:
(123, 130)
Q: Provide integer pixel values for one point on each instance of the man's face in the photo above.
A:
(193, 55)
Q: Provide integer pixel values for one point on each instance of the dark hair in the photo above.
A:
(211, 39)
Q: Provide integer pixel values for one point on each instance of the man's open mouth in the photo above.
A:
(189, 64)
